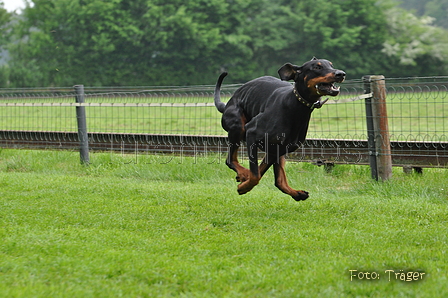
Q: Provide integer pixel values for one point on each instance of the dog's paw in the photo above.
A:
(247, 185)
(243, 188)
(243, 176)
(301, 195)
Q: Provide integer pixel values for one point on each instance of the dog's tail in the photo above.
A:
(218, 103)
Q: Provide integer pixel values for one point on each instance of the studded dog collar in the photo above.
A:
(317, 105)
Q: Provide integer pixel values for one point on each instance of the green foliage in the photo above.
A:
(5, 18)
(438, 9)
(415, 43)
(155, 42)
(4, 76)
(348, 32)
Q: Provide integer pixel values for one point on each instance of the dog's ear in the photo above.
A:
(314, 58)
(288, 71)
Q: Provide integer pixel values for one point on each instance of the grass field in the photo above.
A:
(119, 228)
(412, 117)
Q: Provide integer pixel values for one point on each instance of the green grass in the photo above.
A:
(412, 117)
(155, 120)
(129, 226)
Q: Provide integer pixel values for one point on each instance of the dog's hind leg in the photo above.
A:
(254, 174)
(242, 174)
(233, 121)
(282, 183)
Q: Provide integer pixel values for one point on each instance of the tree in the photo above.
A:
(120, 42)
(438, 9)
(5, 19)
(348, 32)
(414, 45)
(186, 42)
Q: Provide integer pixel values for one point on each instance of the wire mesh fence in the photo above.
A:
(187, 111)
(154, 112)
(342, 117)
(416, 107)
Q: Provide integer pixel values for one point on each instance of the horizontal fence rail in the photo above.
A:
(319, 151)
(183, 120)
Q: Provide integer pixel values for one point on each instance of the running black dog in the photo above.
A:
(273, 115)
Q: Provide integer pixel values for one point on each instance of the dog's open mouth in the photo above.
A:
(328, 88)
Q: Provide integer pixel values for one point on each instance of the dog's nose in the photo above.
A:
(339, 74)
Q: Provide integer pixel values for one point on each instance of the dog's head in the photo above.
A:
(317, 75)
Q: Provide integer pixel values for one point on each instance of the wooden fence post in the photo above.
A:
(370, 129)
(381, 128)
(82, 125)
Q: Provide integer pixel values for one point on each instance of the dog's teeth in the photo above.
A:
(335, 87)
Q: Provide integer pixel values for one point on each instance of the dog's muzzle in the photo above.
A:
(329, 88)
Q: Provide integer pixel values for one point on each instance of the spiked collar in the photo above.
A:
(317, 105)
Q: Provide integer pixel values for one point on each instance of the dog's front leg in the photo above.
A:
(254, 174)
(264, 166)
(282, 183)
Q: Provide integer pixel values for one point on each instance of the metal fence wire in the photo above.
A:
(416, 109)
(187, 111)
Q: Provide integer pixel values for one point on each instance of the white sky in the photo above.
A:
(11, 5)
